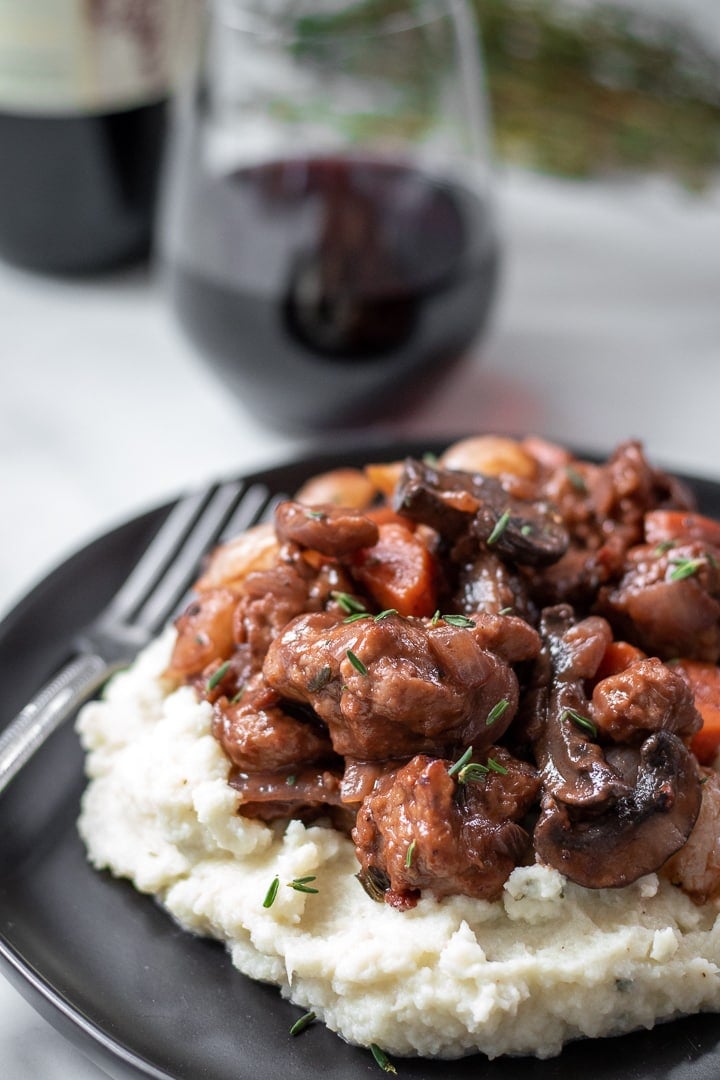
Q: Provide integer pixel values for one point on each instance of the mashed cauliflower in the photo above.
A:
(549, 962)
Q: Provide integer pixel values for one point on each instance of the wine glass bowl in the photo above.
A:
(328, 238)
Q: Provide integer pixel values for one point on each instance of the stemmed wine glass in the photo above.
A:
(327, 235)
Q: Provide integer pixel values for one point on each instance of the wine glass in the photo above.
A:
(327, 236)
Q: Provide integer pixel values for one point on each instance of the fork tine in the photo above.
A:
(182, 569)
(157, 556)
(252, 508)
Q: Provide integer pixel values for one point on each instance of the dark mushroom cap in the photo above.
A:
(458, 504)
(635, 835)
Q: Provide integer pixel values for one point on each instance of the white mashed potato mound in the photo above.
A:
(550, 962)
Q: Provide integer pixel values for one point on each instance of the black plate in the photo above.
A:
(111, 970)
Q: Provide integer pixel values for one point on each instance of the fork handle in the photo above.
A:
(57, 700)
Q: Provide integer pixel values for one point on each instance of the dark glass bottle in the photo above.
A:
(83, 100)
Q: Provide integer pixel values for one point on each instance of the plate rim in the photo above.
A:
(36, 988)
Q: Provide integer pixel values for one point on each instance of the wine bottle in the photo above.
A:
(84, 88)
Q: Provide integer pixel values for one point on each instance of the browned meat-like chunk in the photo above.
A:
(668, 601)
(256, 733)
(646, 696)
(393, 687)
(330, 529)
(696, 866)
(275, 596)
(421, 829)
(603, 507)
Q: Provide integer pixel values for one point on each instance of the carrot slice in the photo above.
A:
(704, 680)
(399, 572)
(680, 526)
(618, 655)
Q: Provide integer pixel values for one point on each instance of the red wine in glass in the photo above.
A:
(327, 290)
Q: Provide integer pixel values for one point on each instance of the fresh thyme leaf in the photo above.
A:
(356, 662)
(576, 479)
(357, 615)
(497, 711)
(505, 611)
(475, 771)
(527, 529)
(384, 614)
(218, 676)
(685, 568)
(500, 526)
(305, 1020)
(436, 618)
(348, 603)
(409, 854)
(291, 780)
(461, 762)
(429, 458)
(580, 720)
(271, 893)
(302, 884)
(382, 1059)
(665, 545)
(459, 620)
(320, 679)
(238, 696)
(319, 515)
(472, 773)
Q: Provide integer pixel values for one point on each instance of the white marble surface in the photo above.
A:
(608, 327)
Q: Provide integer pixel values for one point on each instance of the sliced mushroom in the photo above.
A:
(573, 766)
(457, 503)
(635, 835)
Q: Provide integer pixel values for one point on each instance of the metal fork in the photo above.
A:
(150, 596)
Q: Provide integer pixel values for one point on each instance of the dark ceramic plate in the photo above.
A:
(110, 970)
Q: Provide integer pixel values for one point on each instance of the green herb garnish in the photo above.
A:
(475, 771)
(218, 676)
(305, 1020)
(665, 545)
(382, 1059)
(497, 711)
(271, 893)
(461, 762)
(409, 854)
(384, 614)
(302, 884)
(685, 568)
(356, 616)
(320, 679)
(576, 479)
(348, 603)
(500, 526)
(459, 620)
(291, 780)
(356, 662)
(580, 720)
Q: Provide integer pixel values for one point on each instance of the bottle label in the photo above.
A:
(59, 56)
